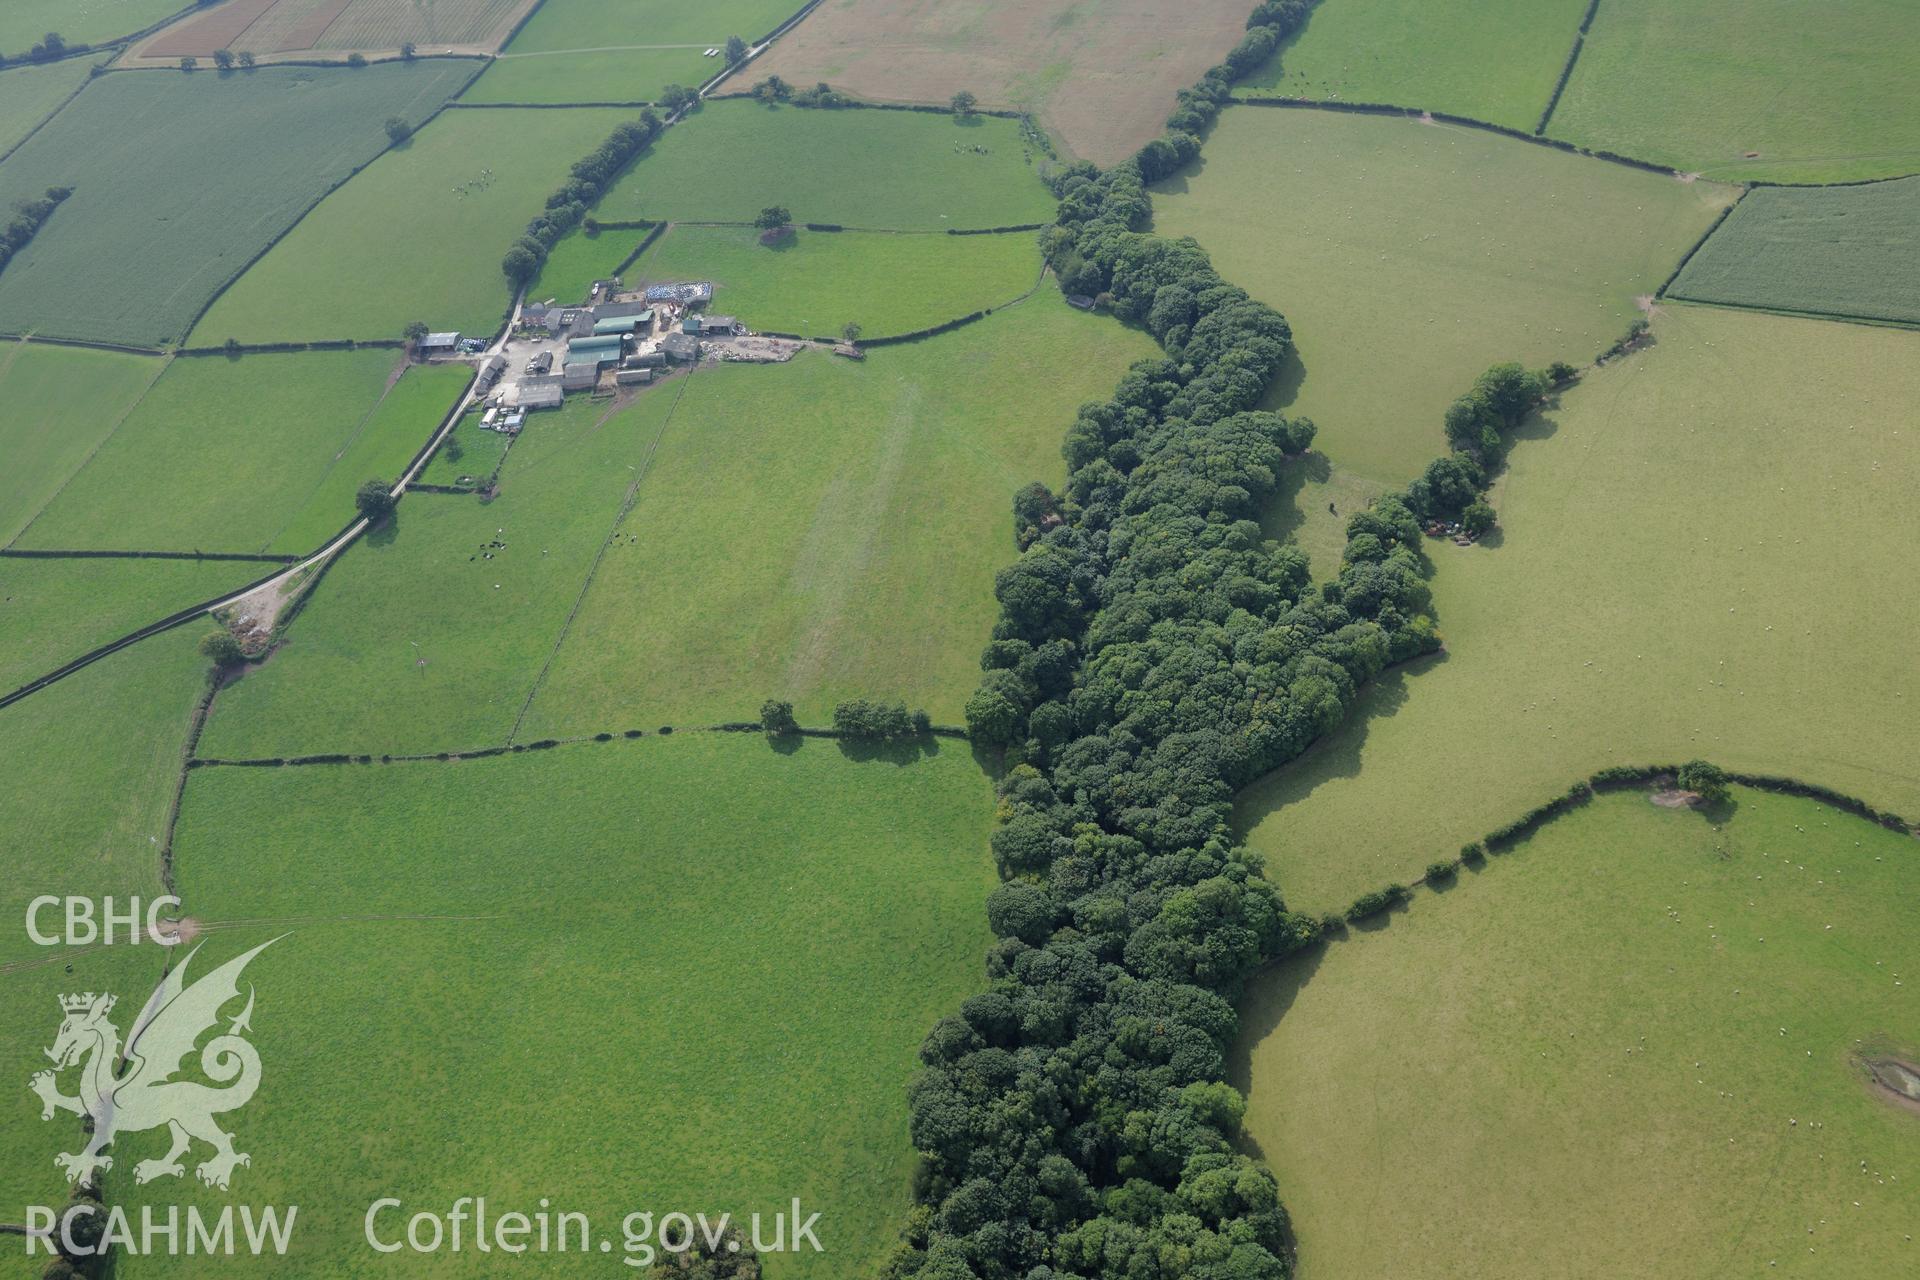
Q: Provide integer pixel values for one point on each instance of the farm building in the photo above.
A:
(542, 362)
(644, 360)
(542, 397)
(681, 348)
(603, 347)
(623, 324)
(439, 344)
(633, 377)
(490, 371)
(698, 325)
(636, 311)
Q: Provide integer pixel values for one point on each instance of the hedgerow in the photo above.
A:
(567, 205)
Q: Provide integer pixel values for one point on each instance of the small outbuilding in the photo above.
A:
(680, 348)
(633, 377)
(439, 344)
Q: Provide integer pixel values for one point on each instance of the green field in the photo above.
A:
(380, 449)
(87, 771)
(23, 22)
(1841, 251)
(1492, 60)
(1631, 1047)
(218, 455)
(892, 170)
(447, 205)
(1409, 257)
(422, 638)
(179, 180)
(826, 530)
(812, 283)
(479, 454)
(61, 403)
(29, 95)
(816, 530)
(1764, 89)
(1695, 558)
(52, 611)
(681, 973)
(580, 259)
(605, 51)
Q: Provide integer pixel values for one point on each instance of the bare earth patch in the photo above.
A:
(1896, 1081)
(1100, 75)
(1670, 798)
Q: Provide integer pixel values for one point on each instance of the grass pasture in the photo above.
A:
(446, 205)
(1838, 251)
(1629, 1047)
(386, 441)
(217, 454)
(1496, 61)
(23, 22)
(825, 530)
(469, 455)
(812, 283)
(1685, 567)
(425, 637)
(1409, 257)
(892, 170)
(596, 51)
(1102, 78)
(61, 402)
(180, 180)
(30, 94)
(627, 975)
(52, 611)
(87, 772)
(1765, 89)
(578, 260)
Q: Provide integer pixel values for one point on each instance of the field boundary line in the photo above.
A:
(92, 453)
(949, 732)
(195, 727)
(186, 333)
(48, 119)
(883, 104)
(593, 570)
(1698, 245)
(1611, 780)
(545, 106)
(31, 553)
(1566, 70)
(124, 348)
(1838, 317)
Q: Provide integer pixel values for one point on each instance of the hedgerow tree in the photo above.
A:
(374, 500)
(736, 51)
(398, 130)
(773, 217)
(1706, 780)
(963, 104)
(221, 649)
(776, 717)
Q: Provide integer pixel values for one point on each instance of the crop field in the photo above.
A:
(217, 454)
(1638, 1037)
(812, 283)
(1761, 89)
(827, 530)
(1493, 61)
(1102, 78)
(891, 170)
(87, 771)
(180, 180)
(1684, 568)
(447, 210)
(386, 441)
(29, 95)
(580, 919)
(595, 51)
(1410, 257)
(52, 611)
(23, 22)
(294, 26)
(428, 637)
(61, 402)
(1840, 251)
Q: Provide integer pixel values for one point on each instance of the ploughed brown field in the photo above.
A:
(1100, 75)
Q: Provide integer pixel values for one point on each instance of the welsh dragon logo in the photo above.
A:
(125, 1092)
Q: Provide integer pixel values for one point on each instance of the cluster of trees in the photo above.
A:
(773, 89)
(1154, 653)
(28, 215)
(50, 47)
(569, 202)
(865, 720)
(1199, 105)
